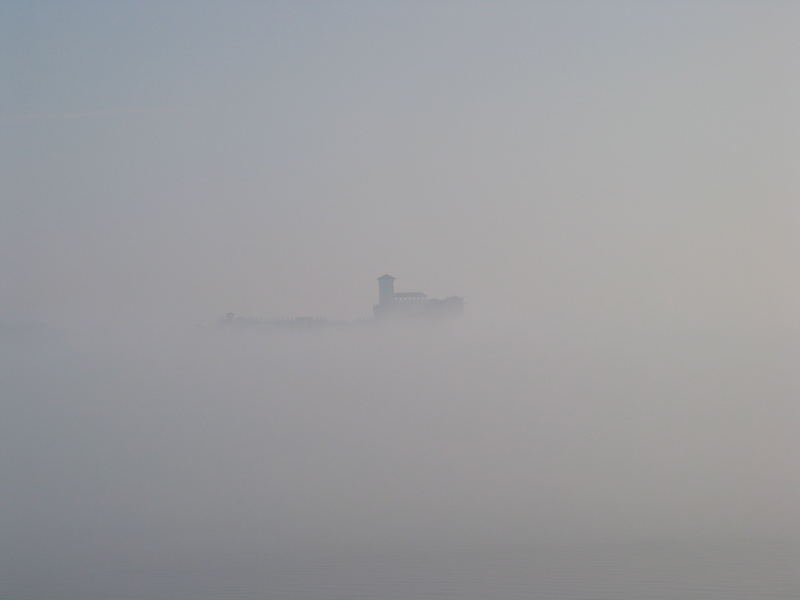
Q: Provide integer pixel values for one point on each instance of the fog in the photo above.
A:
(186, 441)
(610, 186)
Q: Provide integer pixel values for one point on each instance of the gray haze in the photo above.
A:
(611, 186)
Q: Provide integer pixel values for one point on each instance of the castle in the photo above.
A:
(393, 304)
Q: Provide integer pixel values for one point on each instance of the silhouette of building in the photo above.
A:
(412, 304)
(385, 290)
(390, 305)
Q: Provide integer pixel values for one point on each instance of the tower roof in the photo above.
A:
(385, 277)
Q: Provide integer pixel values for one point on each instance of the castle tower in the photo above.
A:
(385, 290)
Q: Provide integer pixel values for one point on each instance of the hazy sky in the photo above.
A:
(611, 186)
(273, 158)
